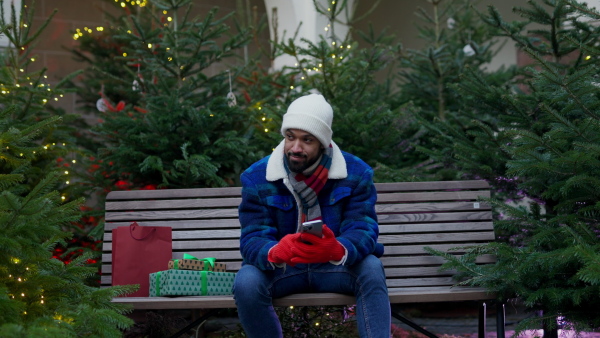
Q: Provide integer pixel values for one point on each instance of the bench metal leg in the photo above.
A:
(500, 319)
(483, 320)
(397, 315)
(196, 323)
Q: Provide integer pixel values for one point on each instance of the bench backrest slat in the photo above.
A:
(411, 215)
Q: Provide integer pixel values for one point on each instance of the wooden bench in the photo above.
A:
(441, 215)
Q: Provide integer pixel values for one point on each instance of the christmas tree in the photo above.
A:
(346, 70)
(535, 138)
(457, 42)
(177, 122)
(131, 93)
(41, 295)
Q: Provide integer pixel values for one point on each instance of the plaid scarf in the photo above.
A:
(308, 187)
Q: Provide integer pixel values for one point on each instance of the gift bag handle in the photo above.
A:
(132, 225)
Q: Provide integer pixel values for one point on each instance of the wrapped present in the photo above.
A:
(190, 262)
(190, 283)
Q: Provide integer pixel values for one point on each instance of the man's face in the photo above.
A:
(301, 149)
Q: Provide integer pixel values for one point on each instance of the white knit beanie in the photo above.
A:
(312, 114)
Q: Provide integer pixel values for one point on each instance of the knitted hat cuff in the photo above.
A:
(309, 124)
(311, 113)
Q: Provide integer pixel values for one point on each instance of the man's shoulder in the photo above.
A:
(355, 163)
(262, 163)
(258, 168)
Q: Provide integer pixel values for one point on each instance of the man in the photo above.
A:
(307, 177)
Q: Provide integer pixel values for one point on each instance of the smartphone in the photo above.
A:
(313, 227)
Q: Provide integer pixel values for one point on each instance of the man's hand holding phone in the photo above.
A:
(313, 228)
(282, 252)
(317, 249)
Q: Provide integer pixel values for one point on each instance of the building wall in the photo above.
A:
(399, 17)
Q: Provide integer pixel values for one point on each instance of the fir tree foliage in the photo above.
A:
(456, 39)
(179, 128)
(345, 72)
(27, 91)
(544, 130)
(39, 295)
(458, 45)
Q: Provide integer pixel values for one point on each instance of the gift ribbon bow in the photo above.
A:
(210, 260)
(203, 282)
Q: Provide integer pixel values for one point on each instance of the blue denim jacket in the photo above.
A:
(269, 211)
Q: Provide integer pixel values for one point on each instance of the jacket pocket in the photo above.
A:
(338, 194)
(280, 202)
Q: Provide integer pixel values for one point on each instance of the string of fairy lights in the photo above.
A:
(265, 120)
(79, 33)
(21, 280)
(5, 90)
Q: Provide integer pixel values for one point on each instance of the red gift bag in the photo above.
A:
(138, 251)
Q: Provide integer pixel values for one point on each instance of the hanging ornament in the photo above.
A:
(231, 100)
(468, 50)
(451, 23)
(101, 106)
(104, 105)
(136, 86)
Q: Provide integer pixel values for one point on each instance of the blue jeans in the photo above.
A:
(254, 290)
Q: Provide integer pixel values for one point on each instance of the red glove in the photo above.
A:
(282, 252)
(314, 249)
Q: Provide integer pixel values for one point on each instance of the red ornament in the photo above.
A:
(123, 185)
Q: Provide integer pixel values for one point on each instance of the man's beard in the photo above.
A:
(299, 167)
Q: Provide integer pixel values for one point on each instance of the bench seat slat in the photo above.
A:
(233, 213)
(236, 191)
(431, 207)
(387, 261)
(204, 244)
(397, 230)
(223, 255)
(174, 204)
(456, 238)
(209, 250)
(416, 249)
(171, 214)
(207, 235)
(426, 260)
(432, 196)
(431, 186)
(235, 202)
(397, 296)
(434, 217)
(420, 282)
(173, 193)
(433, 227)
(226, 223)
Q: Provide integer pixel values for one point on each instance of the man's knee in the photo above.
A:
(249, 280)
(371, 268)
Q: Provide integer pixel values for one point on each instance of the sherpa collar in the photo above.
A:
(276, 170)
